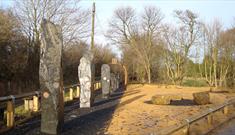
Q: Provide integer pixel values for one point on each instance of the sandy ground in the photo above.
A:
(136, 114)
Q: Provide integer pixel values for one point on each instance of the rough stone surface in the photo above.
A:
(218, 98)
(201, 98)
(85, 74)
(105, 80)
(164, 99)
(117, 81)
(51, 78)
(113, 82)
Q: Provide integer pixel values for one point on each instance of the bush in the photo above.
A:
(194, 83)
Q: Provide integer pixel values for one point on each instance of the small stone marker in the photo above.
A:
(51, 79)
(105, 80)
(86, 78)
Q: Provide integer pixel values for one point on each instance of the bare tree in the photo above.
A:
(66, 13)
(151, 23)
(211, 41)
(179, 41)
(125, 31)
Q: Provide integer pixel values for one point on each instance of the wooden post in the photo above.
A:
(93, 27)
(10, 114)
(186, 130)
(125, 75)
(94, 86)
(78, 91)
(26, 104)
(225, 111)
(71, 94)
(31, 104)
(209, 119)
(35, 104)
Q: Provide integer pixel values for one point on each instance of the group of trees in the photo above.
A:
(20, 29)
(154, 51)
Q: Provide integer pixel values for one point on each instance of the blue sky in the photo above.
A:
(224, 10)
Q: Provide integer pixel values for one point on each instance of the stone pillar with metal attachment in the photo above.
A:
(51, 78)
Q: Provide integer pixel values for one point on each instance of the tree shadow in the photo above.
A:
(96, 122)
(89, 124)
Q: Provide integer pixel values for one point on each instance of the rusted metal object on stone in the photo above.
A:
(201, 98)
(105, 80)
(86, 79)
(51, 78)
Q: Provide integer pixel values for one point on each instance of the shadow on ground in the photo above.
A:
(90, 124)
(182, 102)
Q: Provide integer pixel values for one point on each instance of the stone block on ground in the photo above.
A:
(165, 99)
(218, 98)
(201, 98)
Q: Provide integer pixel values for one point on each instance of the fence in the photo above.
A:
(31, 101)
(206, 121)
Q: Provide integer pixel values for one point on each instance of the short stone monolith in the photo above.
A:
(86, 78)
(105, 80)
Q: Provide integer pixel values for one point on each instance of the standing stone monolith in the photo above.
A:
(85, 74)
(105, 80)
(112, 78)
(51, 78)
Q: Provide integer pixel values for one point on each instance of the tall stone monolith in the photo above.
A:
(105, 80)
(51, 78)
(86, 78)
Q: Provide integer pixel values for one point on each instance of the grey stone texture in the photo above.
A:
(201, 98)
(105, 80)
(51, 78)
(86, 79)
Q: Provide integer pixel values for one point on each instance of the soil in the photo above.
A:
(135, 114)
(139, 116)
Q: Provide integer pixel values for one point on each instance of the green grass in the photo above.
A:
(194, 83)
